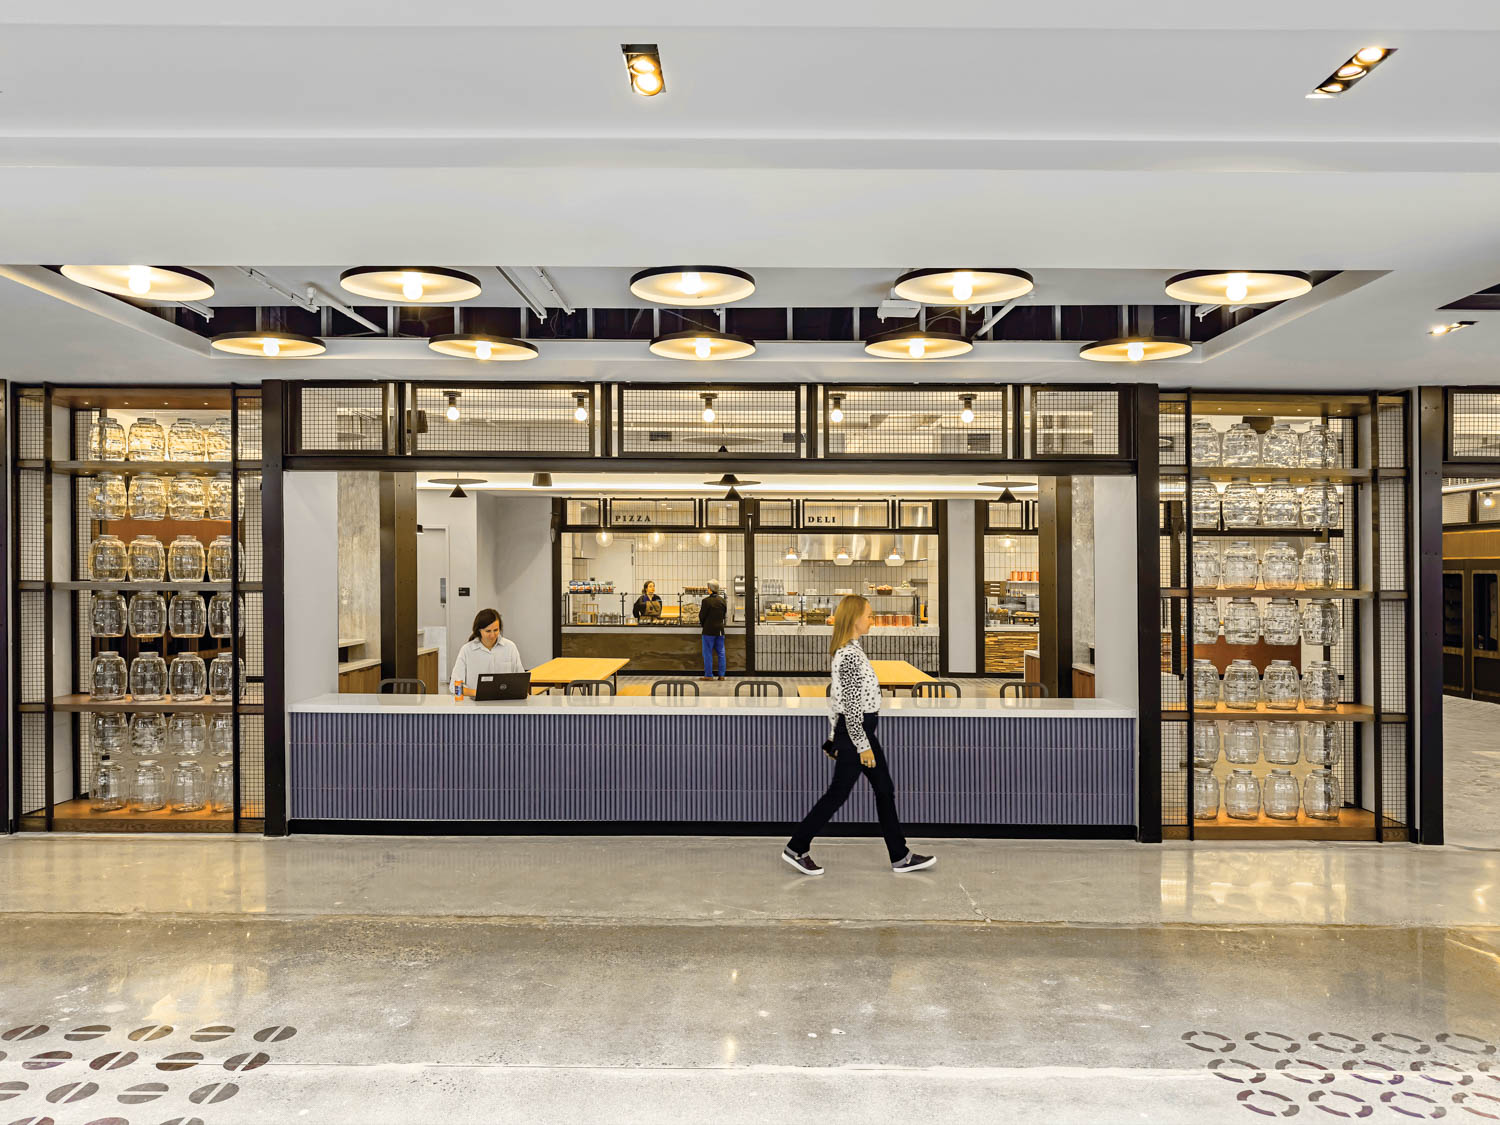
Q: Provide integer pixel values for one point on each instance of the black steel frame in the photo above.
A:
(618, 392)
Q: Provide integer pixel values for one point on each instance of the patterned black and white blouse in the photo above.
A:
(855, 692)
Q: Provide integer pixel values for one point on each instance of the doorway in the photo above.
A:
(434, 597)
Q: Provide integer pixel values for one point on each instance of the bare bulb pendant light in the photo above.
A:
(1237, 287)
(917, 343)
(581, 407)
(963, 286)
(152, 283)
(470, 345)
(411, 285)
(689, 286)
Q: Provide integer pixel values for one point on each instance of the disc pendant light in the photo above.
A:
(458, 483)
(153, 283)
(410, 285)
(959, 286)
(468, 345)
(685, 286)
(701, 345)
(1237, 287)
(269, 345)
(915, 343)
(1135, 349)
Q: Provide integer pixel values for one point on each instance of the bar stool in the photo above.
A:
(588, 687)
(758, 688)
(402, 686)
(936, 689)
(673, 687)
(1023, 689)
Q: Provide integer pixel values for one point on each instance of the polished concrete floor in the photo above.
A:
(153, 980)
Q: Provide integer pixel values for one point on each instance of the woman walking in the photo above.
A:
(855, 699)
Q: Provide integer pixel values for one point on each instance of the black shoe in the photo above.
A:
(803, 863)
(913, 862)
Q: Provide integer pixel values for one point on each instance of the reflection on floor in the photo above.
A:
(1471, 772)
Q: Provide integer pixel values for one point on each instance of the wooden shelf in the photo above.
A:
(77, 816)
(140, 587)
(1261, 592)
(1263, 532)
(161, 468)
(1344, 712)
(1352, 824)
(1265, 475)
(82, 702)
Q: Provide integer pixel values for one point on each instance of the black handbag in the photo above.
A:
(828, 749)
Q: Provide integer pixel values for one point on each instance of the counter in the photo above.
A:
(634, 764)
(652, 648)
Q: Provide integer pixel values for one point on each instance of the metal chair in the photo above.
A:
(1023, 689)
(588, 687)
(759, 688)
(402, 686)
(936, 689)
(673, 687)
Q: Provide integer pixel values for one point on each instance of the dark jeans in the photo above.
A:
(846, 773)
(714, 646)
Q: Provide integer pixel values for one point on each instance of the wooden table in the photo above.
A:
(898, 673)
(565, 669)
(813, 691)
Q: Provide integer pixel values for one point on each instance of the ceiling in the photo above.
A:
(824, 147)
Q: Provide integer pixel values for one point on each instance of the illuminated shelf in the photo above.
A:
(1347, 712)
(84, 702)
(1260, 592)
(1352, 824)
(161, 468)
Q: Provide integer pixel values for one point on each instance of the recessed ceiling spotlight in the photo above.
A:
(1445, 329)
(1135, 349)
(1237, 287)
(157, 283)
(469, 345)
(1369, 56)
(702, 345)
(916, 343)
(643, 65)
(686, 286)
(1353, 70)
(963, 286)
(269, 345)
(410, 285)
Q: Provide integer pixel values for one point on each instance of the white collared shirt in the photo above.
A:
(474, 659)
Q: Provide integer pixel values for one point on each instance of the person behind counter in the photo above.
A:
(486, 651)
(711, 614)
(648, 605)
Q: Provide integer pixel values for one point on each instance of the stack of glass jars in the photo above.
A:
(1279, 742)
(1205, 683)
(147, 497)
(220, 620)
(1322, 798)
(1318, 569)
(189, 786)
(221, 735)
(148, 792)
(1322, 623)
(185, 441)
(107, 793)
(148, 734)
(1207, 743)
(219, 498)
(1322, 506)
(187, 735)
(1207, 573)
(147, 441)
(1321, 743)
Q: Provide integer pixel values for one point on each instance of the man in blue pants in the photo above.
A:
(711, 617)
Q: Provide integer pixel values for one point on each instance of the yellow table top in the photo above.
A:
(566, 669)
(897, 673)
(812, 691)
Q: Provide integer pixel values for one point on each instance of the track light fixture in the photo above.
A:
(1355, 68)
(1445, 329)
(643, 65)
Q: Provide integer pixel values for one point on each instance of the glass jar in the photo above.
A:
(108, 677)
(1205, 621)
(107, 559)
(1206, 571)
(186, 500)
(1241, 686)
(1281, 796)
(148, 559)
(219, 497)
(221, 735)
(186, 615)
(1205, 505)
(1208, 741)
(189, 677)
(1205, 683)
(1321, 506)
(1241, 565)
(1241, 622)
(1205, 795)
(1281, 686)
(1208, 447)
(1322, 798)
(107, 440)
(189, 787)
(1280, 505)
(187, 735)
(147, 441)
(1279, 447)
(221, 788)
(1321, 744)
(148, 677)
(111, 731)
(1319, 447)
(1320, 686)
(185, 441)
(1242, 795)
(149, 790)
(148, 734)
(220, 622)
(1241, 504)
(221, 560)
(216, 440)
(1322, 623)
(185, 559)
(221, 677)
(1280, 622)
(1279, 567)
(1279, 742)
(1317, 566)
(1242, 742)
(107, 497)
(108, 613)
(1241, 446)
(147, 615)
(108, 791)
(147, 497)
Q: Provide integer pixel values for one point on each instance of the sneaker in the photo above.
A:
(913, 862)
(803, 863)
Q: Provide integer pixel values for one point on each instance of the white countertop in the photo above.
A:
(692, 628)
(711, 704)
(776, 627)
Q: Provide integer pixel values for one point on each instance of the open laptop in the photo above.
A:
(502, 685)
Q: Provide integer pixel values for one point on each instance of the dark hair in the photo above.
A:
(483, 620)
(648, 582)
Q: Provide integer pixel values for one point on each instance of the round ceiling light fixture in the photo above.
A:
(956, 286)
(151, 283)
(701, 345)
(1135, 349)
(684, 286)
(468, 345)
(1237, 287)
(915, 343)
(269, 345)
(410, 285)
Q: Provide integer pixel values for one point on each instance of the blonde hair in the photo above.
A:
(850, 610)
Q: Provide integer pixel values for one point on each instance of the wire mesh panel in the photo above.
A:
(1172, 431)
(333, 419)
(31, 426)
(251, 558)
(252, 616)
(505, 419)
(1393, 657)
(1074, 423)
(248, 423)
(926, 422)
(1393, 544)
(1456, 506)
(33, 755)
(31, 621)
(253, 766)
(1392, 435)
(1473, 425)
(689, 421)
(31, 525)
(1394, 773)
(1174, 774)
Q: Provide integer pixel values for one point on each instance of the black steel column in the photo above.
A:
(7, 638)
(1148, 615)
(273, 601)
(1055, 553)
(1427, 499)
(398, 575)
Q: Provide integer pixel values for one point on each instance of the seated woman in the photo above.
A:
(486, 651)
